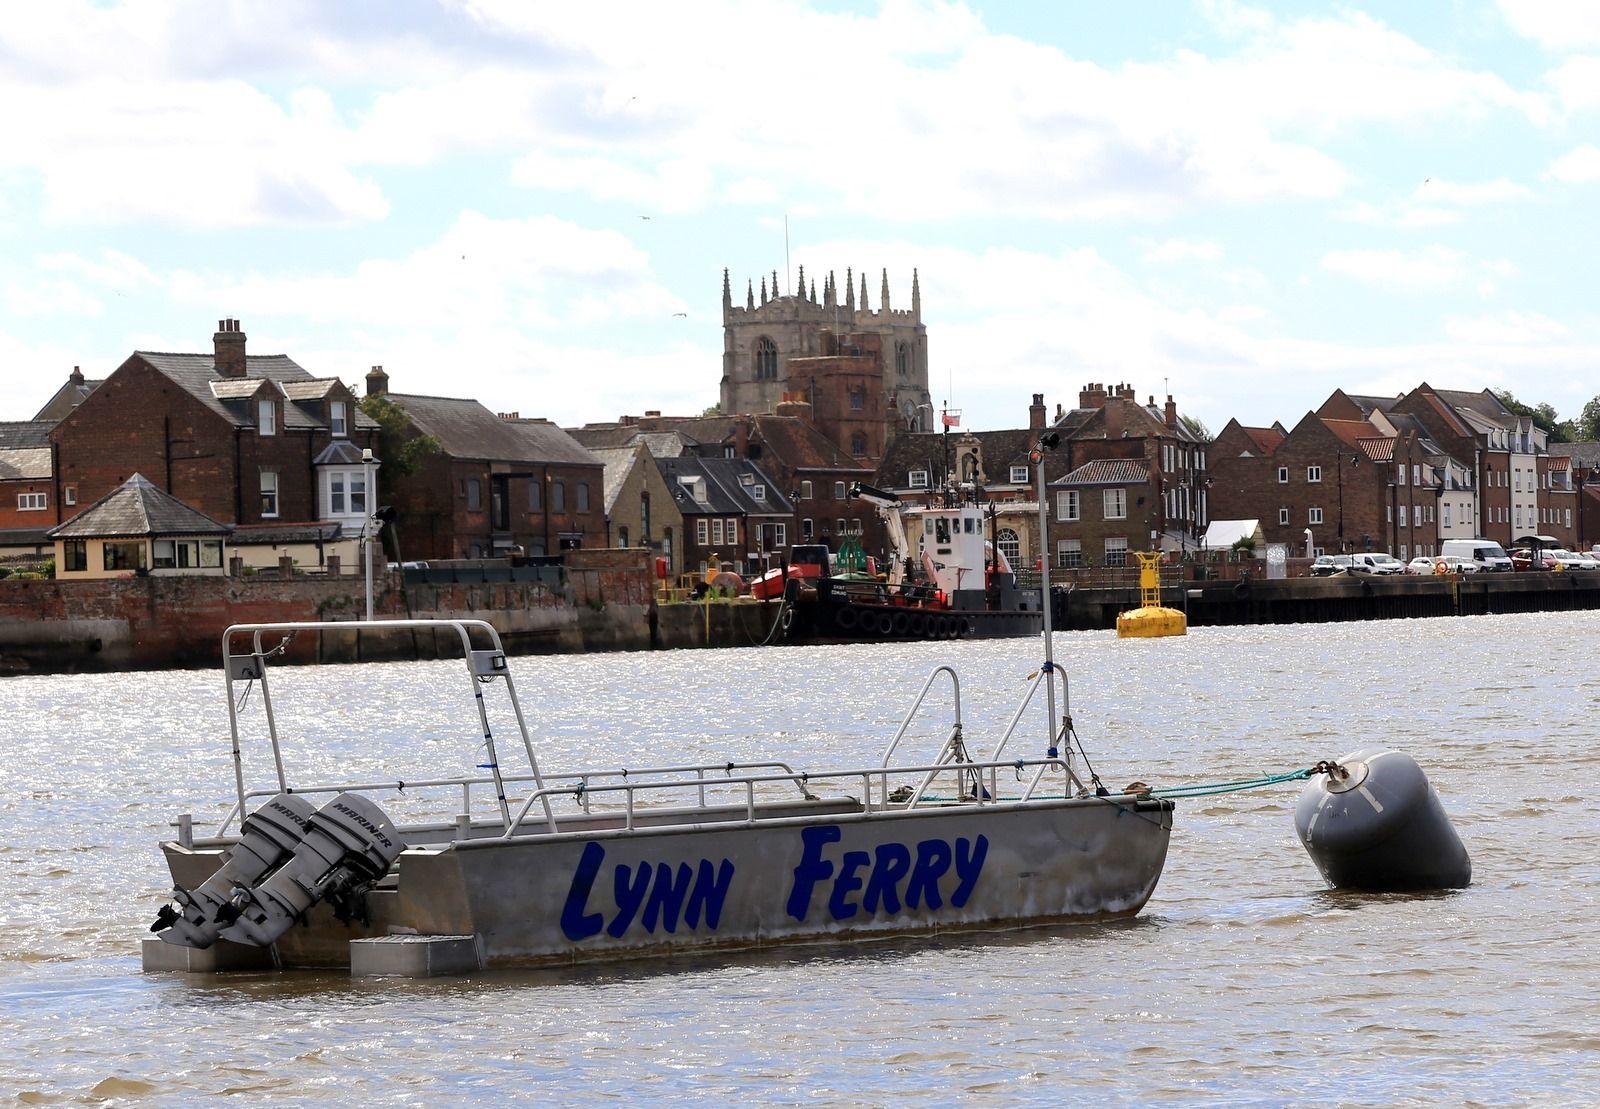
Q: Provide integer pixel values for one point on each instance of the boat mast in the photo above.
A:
(1047, 442)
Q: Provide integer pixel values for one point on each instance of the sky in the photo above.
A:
(532, 203)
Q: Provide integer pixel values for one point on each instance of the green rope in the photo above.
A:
(1199, 790)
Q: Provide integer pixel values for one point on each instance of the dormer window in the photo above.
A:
(336, 421)
(758, 492)
(1019, 475)
(266, 417)
(918, 479)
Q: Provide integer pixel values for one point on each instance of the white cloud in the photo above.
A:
(1560, 25)
(1428, 269)
(1577, 83)
(1577, 166)
(1506, 329)
(1183, 250)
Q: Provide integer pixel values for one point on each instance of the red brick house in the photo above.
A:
(28, 504)
(732, 512)
(245, 439)
(498, 486)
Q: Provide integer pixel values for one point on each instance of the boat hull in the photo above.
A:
(574, 898)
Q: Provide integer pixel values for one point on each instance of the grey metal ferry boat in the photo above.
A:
(577, 865)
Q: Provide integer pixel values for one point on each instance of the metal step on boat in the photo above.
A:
(597, 864)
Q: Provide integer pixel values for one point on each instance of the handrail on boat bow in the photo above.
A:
(750, 781)
(955, 691)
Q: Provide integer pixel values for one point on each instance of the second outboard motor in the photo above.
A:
(266, 838)
(349, 845)
(1373, 822)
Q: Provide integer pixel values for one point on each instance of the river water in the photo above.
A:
(1243, 979)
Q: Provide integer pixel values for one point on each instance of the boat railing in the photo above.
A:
(980, 772)
(1057, 732)
(927, 687)
(704, 775)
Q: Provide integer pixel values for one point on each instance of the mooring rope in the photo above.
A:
(1207, 789)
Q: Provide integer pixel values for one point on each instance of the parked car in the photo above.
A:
(1569, 560)
(1422, 564)
(1453, 564)
(1380, 565)
(1488, 554)
(1525, 558)
(1327, 565)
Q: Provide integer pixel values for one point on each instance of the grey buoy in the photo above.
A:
(1372, 821)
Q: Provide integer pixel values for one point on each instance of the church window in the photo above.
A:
(858, 444)
(766, 359)
(858, 399)
(902, 359)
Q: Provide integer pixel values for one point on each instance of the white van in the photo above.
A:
(1488, 554)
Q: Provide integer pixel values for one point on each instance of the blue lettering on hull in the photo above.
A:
(655, 896)
(661, 897)
(889, 879)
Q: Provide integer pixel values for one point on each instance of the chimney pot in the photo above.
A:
(377, 382)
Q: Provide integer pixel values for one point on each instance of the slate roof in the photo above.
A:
(340, 452)
(1484, 403)
(23, 537)
(24, 433)
(25, 464)
(1585, 454)
(197, 375)
(1370, 404)
(925, 450)
(1107, 471)
(726, 492)
(619, 463)
(466, 429)
(136, 508)
(68, 397)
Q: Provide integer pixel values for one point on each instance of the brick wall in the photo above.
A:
(13, 517)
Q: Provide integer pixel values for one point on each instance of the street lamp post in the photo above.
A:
(369, 466)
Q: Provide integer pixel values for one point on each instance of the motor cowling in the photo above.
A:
(348, 846)
(267, 837)
(1374, 822)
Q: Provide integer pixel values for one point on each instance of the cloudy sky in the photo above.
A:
(532, 203)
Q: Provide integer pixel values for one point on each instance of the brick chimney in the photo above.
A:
(228, 343)
(794, 404)
(76, 377)
(377, 382)
(1092, 396)
(741, 437)
(1172, 413)
(1036, 412)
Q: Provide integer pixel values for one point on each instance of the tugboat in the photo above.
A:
(957, 584)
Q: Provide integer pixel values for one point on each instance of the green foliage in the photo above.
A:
(1543, 416)
(400, 447)
(1586, 427)
(1194, 427)
(714, 410)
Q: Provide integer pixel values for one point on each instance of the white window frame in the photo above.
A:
(269, 489)
(1314, 475)
(1314, 515)
(32, 502)
(1065, 547)
(1107, 550)
(1069, 506)
(716, 531)
(1019, 475)
(1283, 515)
(702, 531)
(780, 536)
(266, 416)
(838, 491)
(758, 492)
(1283, 475)
(336, 419)
(69, 494)
(917, 479)
(1114, 503)
(805, 490)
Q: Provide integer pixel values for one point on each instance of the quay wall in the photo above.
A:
(605, 601)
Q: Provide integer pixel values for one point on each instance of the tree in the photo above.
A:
(1543, 415)
(714, 410)
(1194, 427)
(400, 448)
(1587, 426)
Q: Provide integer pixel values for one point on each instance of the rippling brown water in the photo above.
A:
(1243, 980)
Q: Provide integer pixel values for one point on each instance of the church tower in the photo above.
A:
(762, 335)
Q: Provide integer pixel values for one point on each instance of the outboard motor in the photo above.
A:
(349, 845)
(267, 837)
(1372, 821)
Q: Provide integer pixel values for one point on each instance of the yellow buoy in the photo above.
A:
(1151, 618)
